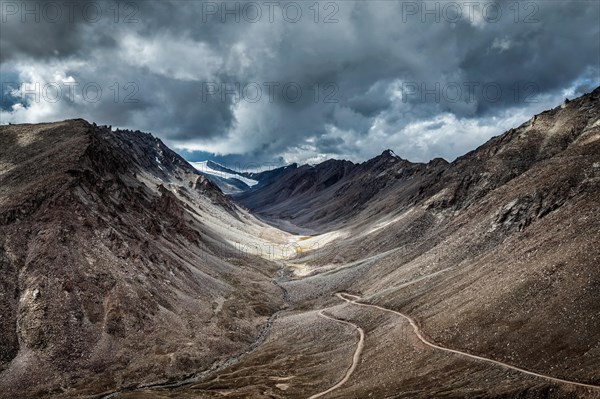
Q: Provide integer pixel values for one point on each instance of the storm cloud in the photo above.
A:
(298, 81)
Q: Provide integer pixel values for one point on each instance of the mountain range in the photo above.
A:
(235, 182)
(127, 272)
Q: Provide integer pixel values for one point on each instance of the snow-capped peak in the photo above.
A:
(390, 153)
(205, 167)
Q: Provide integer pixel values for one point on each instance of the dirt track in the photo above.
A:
(422, 338)
(355, 359)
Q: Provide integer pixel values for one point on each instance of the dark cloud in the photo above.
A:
(379, 77)
(45, 30)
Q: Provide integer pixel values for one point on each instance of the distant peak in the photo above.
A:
(389, 154)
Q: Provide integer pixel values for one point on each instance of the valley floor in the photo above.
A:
(334, 344)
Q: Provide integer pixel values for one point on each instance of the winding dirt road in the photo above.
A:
(345, 297)
(355, 358)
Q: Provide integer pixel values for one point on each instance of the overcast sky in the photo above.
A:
(302, 81)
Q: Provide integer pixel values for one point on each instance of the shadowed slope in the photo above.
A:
(114, 268)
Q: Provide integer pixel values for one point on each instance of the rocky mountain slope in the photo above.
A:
(329, 195)
(326, 196)
(493, 255)
(118, 264)
(121, 270)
